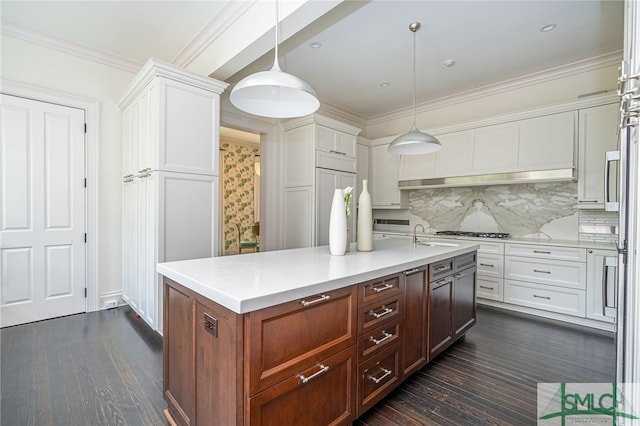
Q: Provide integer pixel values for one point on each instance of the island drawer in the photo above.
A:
(374, 315)
(440, 269)
(377, 377)
(322, 394)
(287, 338)
(372, 291)
(378, 339)
(562, 300)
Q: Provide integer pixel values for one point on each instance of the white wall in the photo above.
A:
(34, 65)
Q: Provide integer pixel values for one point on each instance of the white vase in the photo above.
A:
(337, 224)
(365, 220)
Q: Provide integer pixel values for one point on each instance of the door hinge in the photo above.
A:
(85, 237)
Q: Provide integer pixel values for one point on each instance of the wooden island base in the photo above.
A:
(320, 360)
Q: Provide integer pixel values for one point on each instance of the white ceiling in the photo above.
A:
(364, 43)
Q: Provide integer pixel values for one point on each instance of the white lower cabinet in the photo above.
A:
(489, 284)
(534, 277)
(547, 298)
(489, 288)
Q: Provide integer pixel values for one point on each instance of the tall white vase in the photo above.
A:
(365, 220)
(337, 224)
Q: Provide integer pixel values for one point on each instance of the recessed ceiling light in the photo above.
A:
(449, 63)
(315, 45)
(547, 28)
(385, 84)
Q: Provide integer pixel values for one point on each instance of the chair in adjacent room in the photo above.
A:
(253, 244)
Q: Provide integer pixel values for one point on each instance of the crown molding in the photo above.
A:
(213, 29)
(331, 110)
(597, 62)
(74, 49)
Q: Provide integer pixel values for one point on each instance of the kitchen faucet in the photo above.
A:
(415, 237)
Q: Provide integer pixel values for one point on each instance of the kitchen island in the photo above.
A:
(302, 337)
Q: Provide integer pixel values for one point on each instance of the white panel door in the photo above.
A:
(42, 222)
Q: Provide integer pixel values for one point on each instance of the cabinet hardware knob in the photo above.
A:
(542, 297)
(304, 379)
(322, 298)
(382, 288)
(386, 337)
(541, 272)
(385, 311)
(386, 374)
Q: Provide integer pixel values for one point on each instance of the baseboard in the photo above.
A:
(110, 297)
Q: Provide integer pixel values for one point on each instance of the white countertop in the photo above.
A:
(247, 282)
(515, 240)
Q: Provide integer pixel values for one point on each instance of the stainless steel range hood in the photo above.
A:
(556, 175)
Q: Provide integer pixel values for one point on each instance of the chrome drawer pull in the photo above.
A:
(411, 271)
(542, 297)
(386, 335)
(541, 272)
(386, 374)
(386, 311)
(337, 152)
(322, 298)
(459, 275)
(487, 264)
(382, 288)
(486, 288)
(323, 369)
(542, 251)
(441, 268)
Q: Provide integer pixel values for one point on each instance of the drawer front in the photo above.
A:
(373, 316)
(319, 395)
(562, 300)
(490, 288)
(440, 269)
(334, 161)
(287, 338)
(378, 339)
(373, 291)
(376, 377)
(465, 261)
(491, 248)
(490, 265)
(551, 272)
(546, 252)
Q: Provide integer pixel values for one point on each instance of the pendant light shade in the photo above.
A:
(274, 93)
(414, 141)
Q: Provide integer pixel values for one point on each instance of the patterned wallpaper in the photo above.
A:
(238, 176)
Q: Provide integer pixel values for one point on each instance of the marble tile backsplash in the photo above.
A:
(534, 210)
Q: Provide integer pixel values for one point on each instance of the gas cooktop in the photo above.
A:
(475, 234)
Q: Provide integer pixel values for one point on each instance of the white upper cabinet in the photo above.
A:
(456, 155)
(494, 150)
(385, 193)
(335, 141)
(598, 127)
(547, 143)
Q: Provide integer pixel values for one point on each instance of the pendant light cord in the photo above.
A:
(276, 65)
(414, 27)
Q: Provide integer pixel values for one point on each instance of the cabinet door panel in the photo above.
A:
(415, 320)
(327, 398)
(327, 181)
(346, 144)
(439, 315)
(547, 142)
(601, 284)
(456, 155)
(495, 148)
(298, 217)
(298, 156)
(597, 135)
(384, 180)
(464, 301)
(377, 376)
(290, 337)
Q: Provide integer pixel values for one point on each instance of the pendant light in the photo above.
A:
(274, 93)
(414, 142)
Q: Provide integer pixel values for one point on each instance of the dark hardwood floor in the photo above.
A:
(105, 368)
